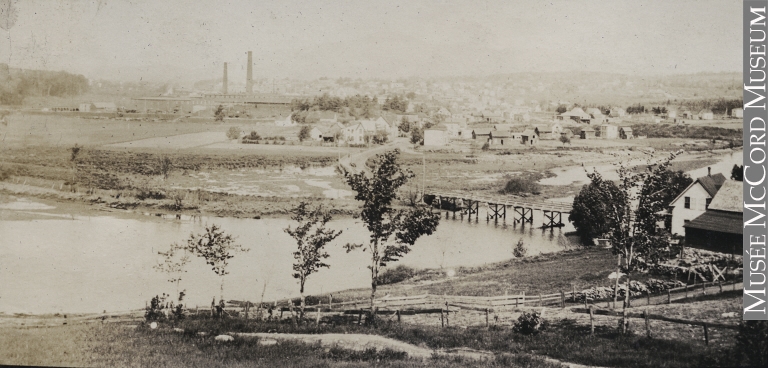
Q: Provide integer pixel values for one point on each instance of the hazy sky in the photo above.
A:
(128, 40)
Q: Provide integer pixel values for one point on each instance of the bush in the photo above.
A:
(156, 309)
(486, 146)
(233, 133)
(752, 342)
(520, 249)
(529, 323)
(253, 136)
(521, 185)
(395, 275)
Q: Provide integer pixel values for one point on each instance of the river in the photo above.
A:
(93, 262)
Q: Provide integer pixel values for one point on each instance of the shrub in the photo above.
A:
(233, 133)
(156, 309)
(395, 275)
(486, 146)
(520, 249)
(529, 323)
(521, 185)
(254, 136)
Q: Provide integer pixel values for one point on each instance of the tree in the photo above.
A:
(233, 133)
(173, 263)
(380, 137)
(217, 248)
(165, 166)
(74, 152)
(304, 133)
(311, 236)
(592, 208)
(633, 234)
(220, 113)
(404, 126)
(565, 140)
(561, 109)
(417, 135)
(737, 173)
(392, 231)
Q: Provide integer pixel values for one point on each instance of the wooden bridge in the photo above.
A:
(522, 209)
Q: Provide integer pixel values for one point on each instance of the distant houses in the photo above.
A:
(706, 114)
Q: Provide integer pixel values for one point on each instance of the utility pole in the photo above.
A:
(424, 176)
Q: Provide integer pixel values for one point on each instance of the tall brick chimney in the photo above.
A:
(224, 83)
(249, 78)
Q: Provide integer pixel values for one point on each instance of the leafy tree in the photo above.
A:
(233, 133)
(404, 126)
(311, 236)
(564, 140)
(304, 133)
(165, 166)
(593, 207)
(396, 103)
(561, 109)
(638, 242)
(173, 263)
(380, 137)
(217, 248)
(392, 231)
(417, 135)
(737, 173)
(219, 113)
(520, 249)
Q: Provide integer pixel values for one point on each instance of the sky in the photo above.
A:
(131, 40)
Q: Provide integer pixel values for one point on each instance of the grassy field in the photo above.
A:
(113, 345)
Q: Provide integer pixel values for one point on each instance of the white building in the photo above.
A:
(693, 201)
(433, 137)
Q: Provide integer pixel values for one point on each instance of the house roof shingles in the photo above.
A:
(729, 198)
(721, 221)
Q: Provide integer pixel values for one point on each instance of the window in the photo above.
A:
(687, 202)
(686, 221)
(708, 201)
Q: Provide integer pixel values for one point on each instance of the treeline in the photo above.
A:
(15, 86)
(356, 106)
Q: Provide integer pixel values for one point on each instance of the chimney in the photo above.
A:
(249, 77)
(709, 171)
(224, 83)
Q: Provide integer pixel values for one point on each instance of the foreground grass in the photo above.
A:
(113, 345)
(564, 340)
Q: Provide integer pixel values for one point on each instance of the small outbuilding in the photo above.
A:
(626, 133)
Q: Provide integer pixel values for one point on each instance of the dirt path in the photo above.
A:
(361, 342)
(355, 163)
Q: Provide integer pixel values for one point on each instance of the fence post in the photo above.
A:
(442, 318)
(573, 293)
(648, 297)
(686, 291)
(591, 321)
(523, 299)
(647, 324)
(330, 301)
(720, 285)
(398, 316)
(706, 334)
(669, 297)
(447, 313)
(486, 317)
(360, 317)
(541, 302)
(317, 321)
(562, 298)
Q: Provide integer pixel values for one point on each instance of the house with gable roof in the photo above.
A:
(693, 201)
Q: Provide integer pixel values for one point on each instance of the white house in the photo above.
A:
(316, 134)
(608, 131)
(285, 121)
(693, 201)
(706, 114)
(737, 113)
(354, 134)
(86, 107)
(104, 106)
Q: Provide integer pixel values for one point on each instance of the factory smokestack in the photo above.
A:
(224, 82)
(249, 78)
